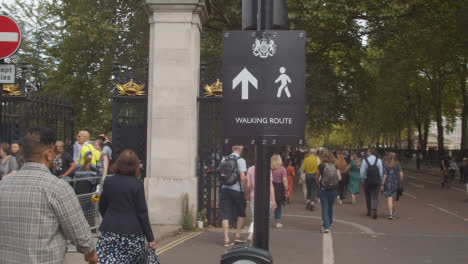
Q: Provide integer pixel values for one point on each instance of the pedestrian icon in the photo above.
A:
(284, 79)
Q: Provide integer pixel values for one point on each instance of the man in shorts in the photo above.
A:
(232, 200)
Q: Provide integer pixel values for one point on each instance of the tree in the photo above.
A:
(94, 34)
(38, 31)
(426, 30)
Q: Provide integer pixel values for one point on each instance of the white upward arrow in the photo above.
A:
(244, 77)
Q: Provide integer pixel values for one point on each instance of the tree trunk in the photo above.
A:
(409, 134)
(439, 122)
(409, 122)
(440, 134)
(425, 137)
(399, 138)
(420, 134)
(464, 128)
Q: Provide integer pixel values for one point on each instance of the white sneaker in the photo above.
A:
(278, 225)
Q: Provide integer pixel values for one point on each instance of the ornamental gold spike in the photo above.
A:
(11, 89)
(130, 89)
(215, 89)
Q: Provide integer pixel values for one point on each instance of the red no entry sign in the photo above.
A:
(10, 36)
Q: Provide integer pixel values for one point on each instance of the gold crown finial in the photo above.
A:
(215, 89)
(11, 89)
(130, 89)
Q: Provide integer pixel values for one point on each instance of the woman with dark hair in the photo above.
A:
(17, 152)
(125, 222)
(8, 163)
(354, 176)
(15, 148)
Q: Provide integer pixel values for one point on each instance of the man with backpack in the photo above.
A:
(371, 177)
(232, 175)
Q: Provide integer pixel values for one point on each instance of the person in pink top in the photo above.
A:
(250, 190)
(280, 183)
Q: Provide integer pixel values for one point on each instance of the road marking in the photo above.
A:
(455, 188)
(328, 257)
(363, 228)
(426, 181)
(448, 212)
(407, 235)
(417, 185)
(177, 242)
(409, 195)
(435, 183)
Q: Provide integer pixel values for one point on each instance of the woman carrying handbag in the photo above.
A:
(125, 223)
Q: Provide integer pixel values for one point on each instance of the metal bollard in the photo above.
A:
(246, 255)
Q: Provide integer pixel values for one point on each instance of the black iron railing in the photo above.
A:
(19, 113)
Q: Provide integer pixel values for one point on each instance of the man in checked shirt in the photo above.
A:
(40, 212)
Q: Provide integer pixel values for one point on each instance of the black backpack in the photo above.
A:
(228, 172)
(373, 174)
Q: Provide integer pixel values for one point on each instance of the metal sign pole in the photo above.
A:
(262, 159)
(263, 105)
(1, 106)
(262, 195)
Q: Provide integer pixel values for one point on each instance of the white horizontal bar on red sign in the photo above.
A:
(9, 36)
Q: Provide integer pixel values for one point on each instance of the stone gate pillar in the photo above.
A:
(174, 71)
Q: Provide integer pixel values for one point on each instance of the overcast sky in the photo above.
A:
(12, 1)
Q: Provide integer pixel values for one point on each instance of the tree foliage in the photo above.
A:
(83, 40)
(377, 71)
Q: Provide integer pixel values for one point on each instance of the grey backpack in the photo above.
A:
(329, 179)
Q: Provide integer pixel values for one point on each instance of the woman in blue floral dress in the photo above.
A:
(125, 222)
(392, 179)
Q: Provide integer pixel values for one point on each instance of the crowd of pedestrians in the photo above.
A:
(327, 177)
(40, 210)
(40, 181)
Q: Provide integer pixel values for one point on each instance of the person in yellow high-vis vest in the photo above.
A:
(86, 163)
(87, 171)
(310, 168)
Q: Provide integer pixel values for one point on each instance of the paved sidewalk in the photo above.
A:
(161, 232)
(431, 227)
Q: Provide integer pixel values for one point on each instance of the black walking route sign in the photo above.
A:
(264, 87)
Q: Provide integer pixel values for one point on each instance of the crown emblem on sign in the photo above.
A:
(130, 88)
(215, 89)
(11, 89)
(264, 48)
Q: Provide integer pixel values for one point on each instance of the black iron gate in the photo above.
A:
(210, 153)
(129, 117)
(19, 113)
